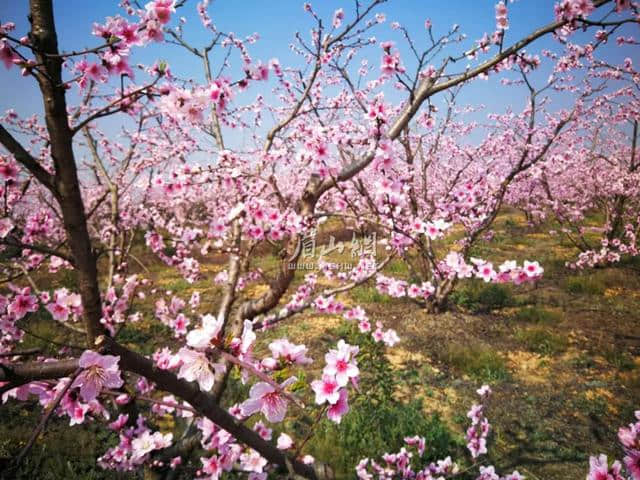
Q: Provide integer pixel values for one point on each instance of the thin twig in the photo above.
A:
(43, 423)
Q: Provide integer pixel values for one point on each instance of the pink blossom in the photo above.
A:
(484, 391)
(8, 170)
(361, 470)
(22, 304)
(99, 371)
(532, 269)
(262, 430)
(252, 462)
(5, 227)
(388, 65)
(120, 422)
(501, 16)
(417, 441)
(356, 313)
(337, 18)
(340, 363)
(486, 272)
(364, 326)
(161, 10)
(153, 31)
(285, 351)
(390, 338)
(337, 410)
(247, 339)
(599, 469)
(91, 71)
(378, 334)
(128, 32)
(77, 412)
(148, 442)
(514, 476)
(263, 397)
(200, 338)
(632, 462)
(58, 312)
(285, 442)
(7, 55)
(196, 367)
(487, 473)
(327, 390)
(262, 72)
(180, 324)
(212, 466)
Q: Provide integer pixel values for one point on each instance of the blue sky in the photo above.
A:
(277, 21)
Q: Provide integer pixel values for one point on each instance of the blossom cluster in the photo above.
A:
(508, 271)
(136, 443)
(478, 432)
(341, 368)
(97, 374)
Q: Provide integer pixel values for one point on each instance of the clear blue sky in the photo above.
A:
(277, 21)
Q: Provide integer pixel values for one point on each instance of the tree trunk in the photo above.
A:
(65, 182)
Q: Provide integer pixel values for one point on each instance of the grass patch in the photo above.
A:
(479, 297)
(56, 454)
(178, 285)
(535, 314)
(366, 294)
(397, 267)
(619, 359)
(583, 361)
(630, 262)
(478, 361)
(542, 341)
(370, 429)
(594, 406)
(583, 285)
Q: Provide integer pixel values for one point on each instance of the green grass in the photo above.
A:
(619, 359)
(397, 267)
(536, 314)
(583, 362)
(583, 285)
(478, 361)
(178, 285)
(541, 340)
(61, 452)
(594, 407)
(480, 297)
(366, 294)
(597, 281)
(371, 429)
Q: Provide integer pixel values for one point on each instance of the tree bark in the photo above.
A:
(66, 184)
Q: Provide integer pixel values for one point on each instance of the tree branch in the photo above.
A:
(26, 159)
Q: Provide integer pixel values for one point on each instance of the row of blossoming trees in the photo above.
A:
(325, 143)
